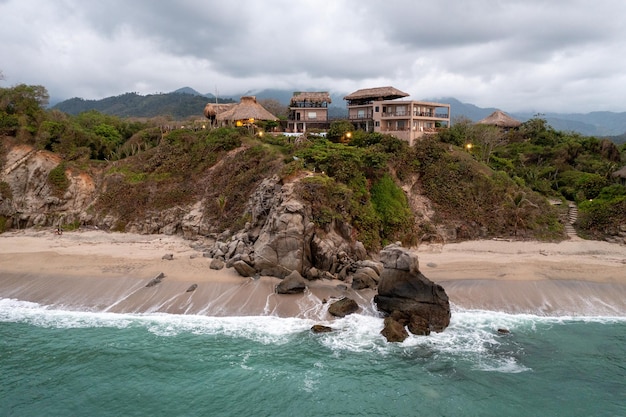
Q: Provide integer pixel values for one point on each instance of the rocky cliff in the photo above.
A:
(31, 199)
(280, 236)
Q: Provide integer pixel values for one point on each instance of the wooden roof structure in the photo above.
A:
(500, 119)
(213, 109)
(247, 109)
(376, 93)
(310, 97)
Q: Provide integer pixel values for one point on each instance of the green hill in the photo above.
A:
(176, 105)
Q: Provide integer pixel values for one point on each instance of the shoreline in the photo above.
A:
(102, 271)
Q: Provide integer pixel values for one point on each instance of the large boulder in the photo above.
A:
(343, 307)
(405, 293)
(292, 284)
(244, 269)
(364, 277)
(394, 331)
(280, 247)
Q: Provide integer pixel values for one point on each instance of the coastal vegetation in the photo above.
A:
(467, 182)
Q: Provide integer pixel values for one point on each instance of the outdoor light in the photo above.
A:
(469, 147)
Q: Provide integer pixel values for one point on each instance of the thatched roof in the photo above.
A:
(213, 109)
(311, 97)
(620, 173)
(377, 93)
(247, 108)
(500, 119)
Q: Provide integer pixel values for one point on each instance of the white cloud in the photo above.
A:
(515, 55)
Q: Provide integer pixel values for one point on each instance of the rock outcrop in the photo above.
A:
(406, 295)
(156, 280)
(394, 331)
(343, 307)
(292, 284)
(281, 238)
(34, 201)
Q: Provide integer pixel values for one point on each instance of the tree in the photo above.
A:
(487, 138)
(22, 109)
(518, 202)
(273, 106)
(460, 133)
(340, 131)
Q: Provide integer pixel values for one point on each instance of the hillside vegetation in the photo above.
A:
(440, 189)
(174, 105)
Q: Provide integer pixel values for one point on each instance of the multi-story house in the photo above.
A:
(379, 110)
(308, 110)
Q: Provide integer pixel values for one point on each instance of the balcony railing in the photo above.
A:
(420, 114)
(362, 116)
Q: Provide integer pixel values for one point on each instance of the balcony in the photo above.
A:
(404, 114)
(361, 116)
(432, 115)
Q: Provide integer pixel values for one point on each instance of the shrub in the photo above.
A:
(392, 208)
(5, 191)
(57, 179)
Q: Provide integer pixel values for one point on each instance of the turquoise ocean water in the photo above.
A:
(55, 362)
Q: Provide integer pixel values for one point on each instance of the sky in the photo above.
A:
(515, 55)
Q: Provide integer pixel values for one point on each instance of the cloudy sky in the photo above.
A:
(516, 55)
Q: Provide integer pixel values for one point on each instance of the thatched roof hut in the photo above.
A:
(377, 93)
(213, 109)
(310, 97)
(247, 109)
(500, 119)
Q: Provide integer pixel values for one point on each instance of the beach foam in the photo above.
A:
(472, 336)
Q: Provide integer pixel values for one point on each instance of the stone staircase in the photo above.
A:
(572, 216)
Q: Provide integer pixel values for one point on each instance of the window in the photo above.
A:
(360, 114)
(376, 109)
(312, 115)
(377, 123)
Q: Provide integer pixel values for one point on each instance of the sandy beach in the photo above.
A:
(101, 271)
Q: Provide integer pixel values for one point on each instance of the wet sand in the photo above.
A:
(100, 271)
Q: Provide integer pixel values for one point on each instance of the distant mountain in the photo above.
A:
(191, 91)
(459, 109)
(590, 124)
(179, 105)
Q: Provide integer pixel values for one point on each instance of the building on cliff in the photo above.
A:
(500, 119)
(246, 112)
(308, 110)
(380, 110)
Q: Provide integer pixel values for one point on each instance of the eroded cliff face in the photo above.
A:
(279, 238)
(29, 199)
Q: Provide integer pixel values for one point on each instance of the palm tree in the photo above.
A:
(518, 202)
(221, 204)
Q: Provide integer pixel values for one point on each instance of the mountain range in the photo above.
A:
(187, 102)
